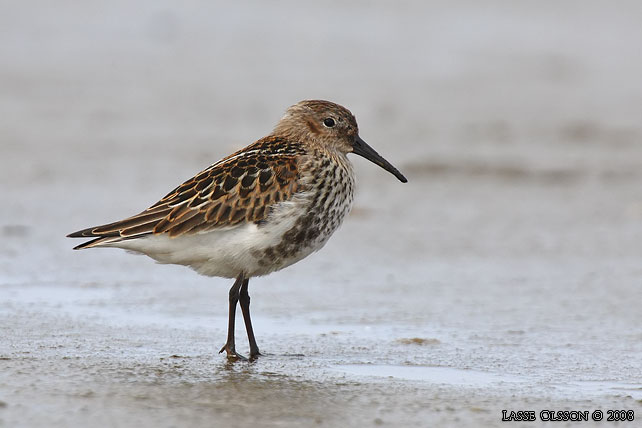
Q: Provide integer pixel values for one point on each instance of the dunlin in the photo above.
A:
(256, 211)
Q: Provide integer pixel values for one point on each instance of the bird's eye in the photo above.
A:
(329, 122)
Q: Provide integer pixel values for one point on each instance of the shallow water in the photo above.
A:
(505, 275)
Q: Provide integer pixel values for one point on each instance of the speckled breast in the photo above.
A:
(330, 195)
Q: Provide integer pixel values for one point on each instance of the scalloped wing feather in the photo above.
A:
(240, 188)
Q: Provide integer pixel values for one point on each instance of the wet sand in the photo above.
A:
(505, 275)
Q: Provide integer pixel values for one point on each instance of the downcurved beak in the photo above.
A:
(362, 149)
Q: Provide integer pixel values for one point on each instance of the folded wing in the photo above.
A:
(239, 189)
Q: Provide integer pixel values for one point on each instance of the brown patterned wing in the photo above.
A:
(238, 189)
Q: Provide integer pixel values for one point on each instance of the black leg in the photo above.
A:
(244, 301)
(229, 346)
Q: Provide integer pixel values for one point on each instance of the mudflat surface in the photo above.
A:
(506, 275)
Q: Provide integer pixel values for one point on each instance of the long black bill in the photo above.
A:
(362, 149)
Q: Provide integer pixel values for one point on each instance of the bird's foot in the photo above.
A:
(231, 353)
(254, 354)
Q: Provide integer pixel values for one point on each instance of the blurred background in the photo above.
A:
(514, 248)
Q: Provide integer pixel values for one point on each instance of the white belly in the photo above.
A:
(221, 252)
(294, 229)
